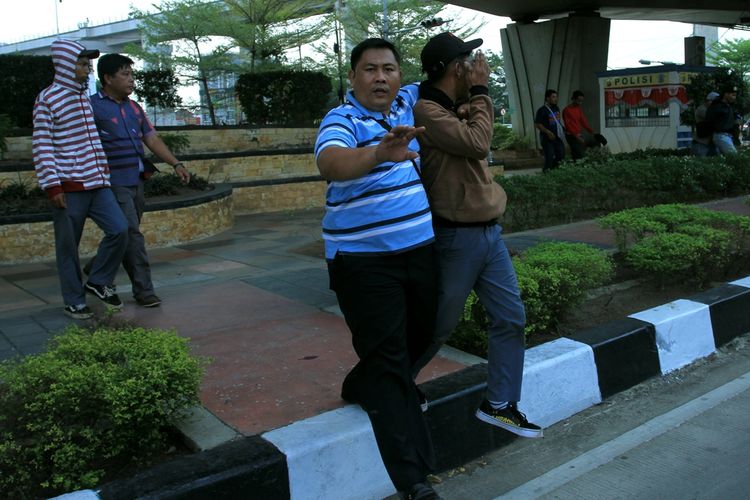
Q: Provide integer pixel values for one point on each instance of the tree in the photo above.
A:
(268, 28)
(360, 19)
(732, 54)
(498, 89)
(190, 24)
(158, 87)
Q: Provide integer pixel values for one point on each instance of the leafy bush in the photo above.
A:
(675, 242)
(605, 184)
(22, 197)
(502, 136)
(97, 399)
(176, 142)
(553, 278)
(167, 184)
(283, 97)
(23, 78)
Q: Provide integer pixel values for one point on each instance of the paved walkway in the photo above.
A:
(255, 299)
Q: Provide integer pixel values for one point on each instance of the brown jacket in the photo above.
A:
(453, 158)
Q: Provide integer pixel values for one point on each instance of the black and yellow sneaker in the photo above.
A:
(510, 419)
(104, 293)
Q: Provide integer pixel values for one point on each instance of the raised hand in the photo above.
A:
(480, 70)
(395, 144)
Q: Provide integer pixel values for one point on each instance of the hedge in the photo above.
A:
(23, 78)
(594, 187)
(283, 97)
(96, 401)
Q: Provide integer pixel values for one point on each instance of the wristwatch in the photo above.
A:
(178, 164)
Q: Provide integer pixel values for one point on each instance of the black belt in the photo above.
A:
(441, 222)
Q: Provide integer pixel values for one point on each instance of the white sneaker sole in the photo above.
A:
(519, 431)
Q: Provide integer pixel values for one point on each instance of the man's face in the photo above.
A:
(120, 84)
(552, 99)
(83, 69)
(578, 100)
(730, 97)
(376, 79)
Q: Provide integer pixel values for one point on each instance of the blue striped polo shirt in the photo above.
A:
(122, 127)
(386, 210)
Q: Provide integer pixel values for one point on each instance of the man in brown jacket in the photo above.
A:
(466, 203)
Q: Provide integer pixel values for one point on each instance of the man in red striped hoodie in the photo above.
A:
(72, 169)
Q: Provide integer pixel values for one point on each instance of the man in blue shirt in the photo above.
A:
(378, 238)
(124, 128)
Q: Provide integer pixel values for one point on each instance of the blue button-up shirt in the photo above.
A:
(122, 127)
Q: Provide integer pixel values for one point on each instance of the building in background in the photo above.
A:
(641, 107)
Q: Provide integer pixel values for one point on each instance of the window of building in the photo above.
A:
(641, 107)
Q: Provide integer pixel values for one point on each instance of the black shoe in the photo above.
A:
(105, 293)
(510, 419)
(420, 491)
(148, 301)
(423, 403)
(78, 312)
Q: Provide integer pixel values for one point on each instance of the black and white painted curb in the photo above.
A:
(334, 455)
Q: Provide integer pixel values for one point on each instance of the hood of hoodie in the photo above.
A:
(64, 56)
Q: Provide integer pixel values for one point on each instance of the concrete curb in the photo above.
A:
(334, 455)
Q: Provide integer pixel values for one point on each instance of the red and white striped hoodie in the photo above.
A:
(68, 155)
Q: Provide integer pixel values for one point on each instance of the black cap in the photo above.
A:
(90, 53)
(442, 49)
(728, 89)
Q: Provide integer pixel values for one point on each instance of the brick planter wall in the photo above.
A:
(25, 242)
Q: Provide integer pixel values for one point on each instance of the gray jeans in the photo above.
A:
(135, 261)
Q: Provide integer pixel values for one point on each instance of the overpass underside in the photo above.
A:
(569, 44)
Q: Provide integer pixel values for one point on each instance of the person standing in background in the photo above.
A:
(720, 116)
(551, 131)
(575, 123)
(72, 169)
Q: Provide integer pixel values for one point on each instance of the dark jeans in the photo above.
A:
(389, 303)
(577, 148)
(554, 152)
(99, 205)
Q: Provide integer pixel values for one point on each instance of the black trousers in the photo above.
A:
(577, 149)
(554, 152)
(389, 303)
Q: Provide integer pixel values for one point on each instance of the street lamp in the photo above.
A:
(647, 62)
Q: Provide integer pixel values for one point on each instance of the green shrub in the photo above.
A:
(606, 184)
(167, 184)
(22, 197)
(96, 400)
(590, 267)
(23, 78)
(176, 142)
(675, 242)
(502, 136)
(283, 97)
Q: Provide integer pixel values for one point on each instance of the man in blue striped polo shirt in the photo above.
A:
(378, 238)
(124, 129)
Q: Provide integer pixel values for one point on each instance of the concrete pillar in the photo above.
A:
(562, 54)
